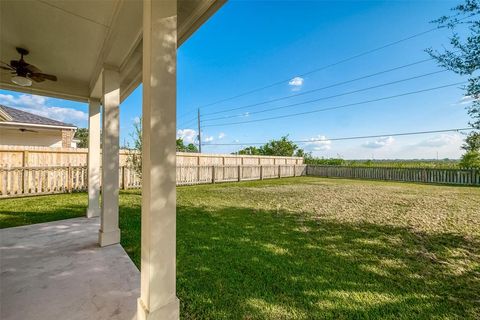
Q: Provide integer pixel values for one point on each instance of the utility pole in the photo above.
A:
(199, 133)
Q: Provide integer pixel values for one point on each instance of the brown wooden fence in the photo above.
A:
(24, 156)
(23, 181)
(187, 175)
(425, 175)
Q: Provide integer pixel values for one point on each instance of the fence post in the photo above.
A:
(261, 172)
(294, 170)
(239, 173)
(24, 180)
(279, 171)
(69, 178)
(213, 174)
(24, 164)
(198, 169)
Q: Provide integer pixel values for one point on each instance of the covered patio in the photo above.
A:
(56, 270)
(100, 51)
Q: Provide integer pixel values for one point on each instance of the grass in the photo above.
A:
(309, 248)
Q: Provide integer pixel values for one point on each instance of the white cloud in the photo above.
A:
(39, 105)
(318, 143)
(440, 141)
(296, 82)
(187, 135)
(446, 145)
(379, 143)
(467, 100)
(221, 135)
(190, 136)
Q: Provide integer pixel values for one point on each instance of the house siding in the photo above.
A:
(40, 138)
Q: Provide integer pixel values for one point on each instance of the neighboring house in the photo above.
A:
(20, 128)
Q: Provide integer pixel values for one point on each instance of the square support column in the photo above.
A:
(109, 231)
(93, 158)
(158, 290)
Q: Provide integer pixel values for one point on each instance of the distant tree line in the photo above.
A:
(282, 147)
(181, 147)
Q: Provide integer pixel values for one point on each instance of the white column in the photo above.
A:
(93, 158)
(109, 231)
(158, 292)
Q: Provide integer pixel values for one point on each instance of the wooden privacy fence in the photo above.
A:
(187, 175)
(23, 156)
(19, 181)
(42, 180)
(425, 175)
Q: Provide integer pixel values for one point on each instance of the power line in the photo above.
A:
(336, 107)
(192, 120)
(322, 88)
(188, 122)
(329, 97)
(349, 138)
(323, 67)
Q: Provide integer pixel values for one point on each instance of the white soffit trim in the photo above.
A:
(22, 124)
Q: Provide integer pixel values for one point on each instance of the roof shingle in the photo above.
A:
(27, 117)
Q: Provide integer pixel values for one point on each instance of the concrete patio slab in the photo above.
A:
(57, 270)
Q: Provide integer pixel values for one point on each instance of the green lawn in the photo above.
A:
(309, 248)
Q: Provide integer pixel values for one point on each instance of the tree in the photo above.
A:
(82, 135)
(301, 153)
(471, 159)
(134, 158)
(472, 142)
(282, 147)
(464, 59)
(250, 151)
(185, 148)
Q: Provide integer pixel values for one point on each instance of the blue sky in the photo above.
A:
(247, 45)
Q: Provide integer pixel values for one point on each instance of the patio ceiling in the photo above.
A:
(75, 39)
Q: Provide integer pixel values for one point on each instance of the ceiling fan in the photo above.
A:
(23, 73)
(22, 130)
(26, 130)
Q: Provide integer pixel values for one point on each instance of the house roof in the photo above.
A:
(13, 115)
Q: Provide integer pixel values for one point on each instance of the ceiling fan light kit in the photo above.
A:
(23, 73)
(22, 81)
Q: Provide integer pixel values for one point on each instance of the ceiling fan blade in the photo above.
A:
(7, 66)
(39, 77)
(36, 77)
(32, 69)
(22, 129)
